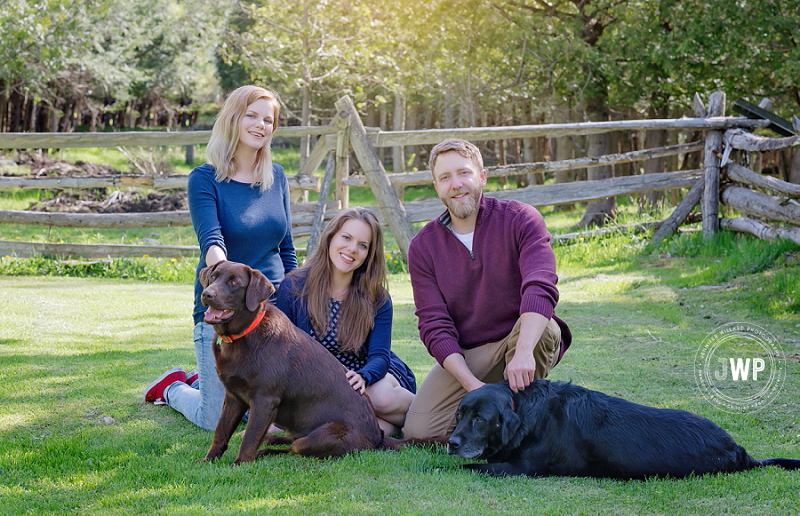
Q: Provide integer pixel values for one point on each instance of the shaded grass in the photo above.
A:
(76, 350)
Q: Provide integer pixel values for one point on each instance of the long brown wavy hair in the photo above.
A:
(367, 286)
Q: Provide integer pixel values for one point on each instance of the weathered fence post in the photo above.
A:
(310, 164)
(710, 202)
(342, 159)
(394, 214)
(319, 212)
(691, 199)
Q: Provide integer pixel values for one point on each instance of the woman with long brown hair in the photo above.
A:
(339, 297)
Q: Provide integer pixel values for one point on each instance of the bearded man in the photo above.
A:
(484, 282)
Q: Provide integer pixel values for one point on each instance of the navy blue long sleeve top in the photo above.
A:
(250, 226)
(377, 346)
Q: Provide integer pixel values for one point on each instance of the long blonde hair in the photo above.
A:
(367, 286)
(225, 136)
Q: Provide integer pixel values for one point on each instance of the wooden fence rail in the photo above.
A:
(423, 177)
(434, 136)
(133, 138)
(303, 216)
(377, 137)
(128, 181)
(718, 151)
(346, 131)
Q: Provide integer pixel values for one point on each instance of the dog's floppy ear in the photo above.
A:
(259, 289)
(205, 274)
(511, 423)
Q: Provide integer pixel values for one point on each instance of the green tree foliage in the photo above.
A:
(73, 56)
(456, 59)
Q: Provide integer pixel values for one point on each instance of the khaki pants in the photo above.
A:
(432, 413)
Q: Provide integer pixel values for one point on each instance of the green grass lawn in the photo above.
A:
(80, 340)
(76, 354)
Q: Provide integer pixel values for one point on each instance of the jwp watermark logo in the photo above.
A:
(740, 368)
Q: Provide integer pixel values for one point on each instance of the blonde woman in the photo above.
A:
(239, 204)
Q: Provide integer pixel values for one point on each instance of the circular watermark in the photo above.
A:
(740, 368)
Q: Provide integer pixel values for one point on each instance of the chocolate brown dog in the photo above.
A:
(556, 428)
(281, 374)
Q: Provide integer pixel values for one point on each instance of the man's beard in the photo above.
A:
(465, 207)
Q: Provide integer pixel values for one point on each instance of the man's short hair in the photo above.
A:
(463, 147)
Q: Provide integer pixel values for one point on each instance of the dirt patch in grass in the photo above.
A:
(45, 166)
(118, 201)
(96, 200)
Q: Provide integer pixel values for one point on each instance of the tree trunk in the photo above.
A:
(305, 108)
(516, 144)
(427, 123)
(372, 113)
(785, 160)
(561, 148)
(575, 113)
(94, 114)
(42, 116)
(15, 119)
(671, 165)
(598, 212)
(794, 173)
(449, 110)
(530, 145)
(653, 139)
(384, 125)
(3, 106)
(411, 125)
(131, 112)
(30, 113)
(500, 147)
(66, 120)
(305, 115)
(53, 118)
(692, 160)
(625, 144)
(398, 153)
(398, 124)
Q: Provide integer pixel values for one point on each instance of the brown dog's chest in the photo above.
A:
(238, 365)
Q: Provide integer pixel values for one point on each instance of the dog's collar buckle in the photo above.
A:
(230, 338)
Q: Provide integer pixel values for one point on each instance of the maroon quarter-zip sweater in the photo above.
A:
(466, 299)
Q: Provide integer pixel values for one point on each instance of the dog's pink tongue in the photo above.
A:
(213, 315)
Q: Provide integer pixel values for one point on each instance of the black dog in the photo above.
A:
(556, 428)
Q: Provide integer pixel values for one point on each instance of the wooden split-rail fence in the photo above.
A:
(346, 133)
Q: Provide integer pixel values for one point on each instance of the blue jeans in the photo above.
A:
(200, 406)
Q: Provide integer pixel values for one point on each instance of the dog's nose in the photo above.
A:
(453, 444)
(206, 296)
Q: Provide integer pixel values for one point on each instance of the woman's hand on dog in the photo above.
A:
(357, 381)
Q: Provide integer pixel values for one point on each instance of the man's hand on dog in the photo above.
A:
(520, 371)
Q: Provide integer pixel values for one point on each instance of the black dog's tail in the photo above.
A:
(784, 463)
